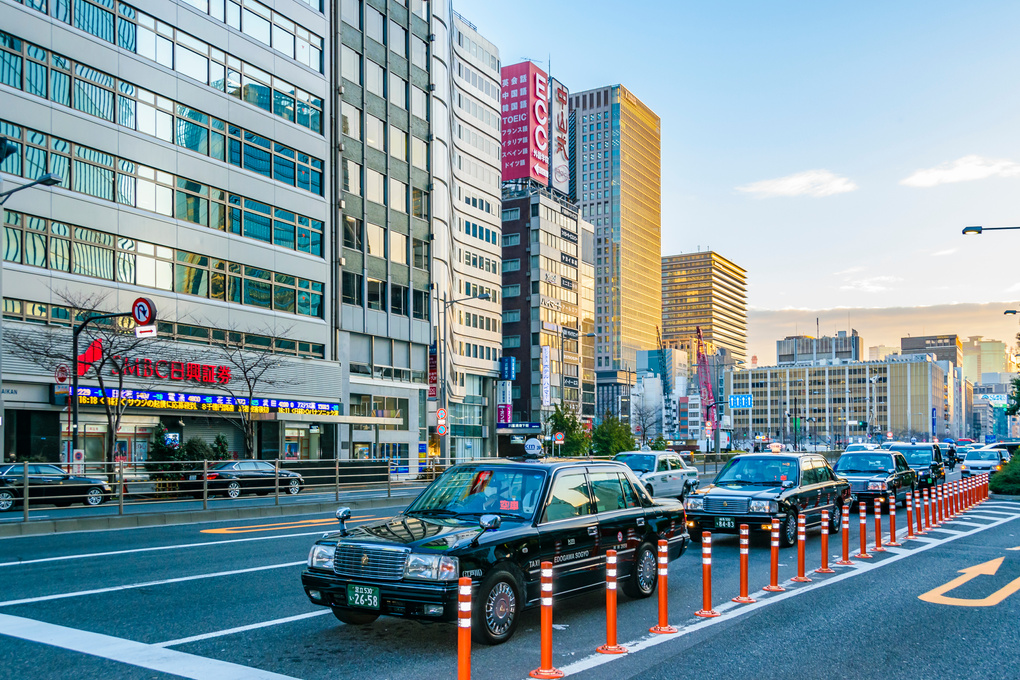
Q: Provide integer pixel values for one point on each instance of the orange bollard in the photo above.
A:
(878, 526)
(910, 515)
(935, 507)
(706, 610)
(845, 562)
(927, 510)
(863, 554)
(611, 647)
(464, 629)
(950, 510)
(957, 506)
(663, 628)
(941, 493)
(773, 586)
(824, 569)
(984, 487)
(919, 513)
(966, 494)
(744, 598)
(892, 523)
(546, 670)
(801, 544)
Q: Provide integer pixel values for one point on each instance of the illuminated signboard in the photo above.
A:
(559, 130)
(180, 401)
(524, 102)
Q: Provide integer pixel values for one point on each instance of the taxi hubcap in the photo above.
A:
(646, 571)
(500, 607)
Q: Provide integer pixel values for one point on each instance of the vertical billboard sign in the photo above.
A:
(546, 377)
(559, 166)
(504, 401)
(524, 103)
(433, 373)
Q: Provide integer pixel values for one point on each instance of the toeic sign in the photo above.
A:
(144, 311)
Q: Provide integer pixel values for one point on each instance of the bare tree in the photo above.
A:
(646, 417)
(106, 353)
(252, 371)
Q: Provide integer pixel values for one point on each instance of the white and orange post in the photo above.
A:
(611, 647)
(910, 515)
(846, 561)
(878, 526)
(919, 513)
(892, 522)
(745, 536)
(801, 545)
(863, 554)
(927, 510)
(546, 670)
(464, 628)
(773, 586)
(663, 628)
(824, 569)
(706, 610)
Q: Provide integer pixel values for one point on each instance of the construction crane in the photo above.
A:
(705, 385)
(667, 389)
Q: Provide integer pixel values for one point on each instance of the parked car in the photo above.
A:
(754, 489)
(859, 447)
(984, 461)
(48, 484)
(926, 461)
(496, 521)
(877, 474)
(663, 473)
(235, 477)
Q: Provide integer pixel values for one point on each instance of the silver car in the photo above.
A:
(663, 473)
(983, 461)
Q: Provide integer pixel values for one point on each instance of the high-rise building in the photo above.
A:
(193, 147)
(880, 352)
(466, 250)
(797, 350)
(982, 356)
(705, 290)
(944, 347)
(616, 179)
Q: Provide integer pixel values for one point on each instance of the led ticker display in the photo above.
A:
(181, 401)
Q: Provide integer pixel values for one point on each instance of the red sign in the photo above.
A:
(91, 355)
(171, 370)
(503, 414)
(144, 311)
(433, 373)
(524, 101)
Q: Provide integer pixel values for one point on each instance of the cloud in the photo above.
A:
(964, 169)
(849, 270)
(815, 183)
(943, 253)
(1014, 288)
(874, 284)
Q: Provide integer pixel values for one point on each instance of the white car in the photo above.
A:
(663, 473)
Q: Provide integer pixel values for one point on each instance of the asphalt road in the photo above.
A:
(223, 600)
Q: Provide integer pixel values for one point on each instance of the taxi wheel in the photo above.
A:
(497, 611)
(835, 519)
(788, 531)
(352, 617)
(648, 488)
(645, 573)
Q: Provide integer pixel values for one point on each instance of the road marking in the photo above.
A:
(130, 586)
(130, 652)
(937, 595)
(966, 524)
(764, 600)
(241, 629)
(970, 516)
(298, 524)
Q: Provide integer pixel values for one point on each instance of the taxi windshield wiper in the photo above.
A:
(433, 511)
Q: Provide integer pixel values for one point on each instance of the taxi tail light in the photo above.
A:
(212, 475)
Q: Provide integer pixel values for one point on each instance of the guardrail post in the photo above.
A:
(336, 477)
(24, 491)
(389, 490)
(464, 628)
(276, 481)
(120, 488)
(205, 485)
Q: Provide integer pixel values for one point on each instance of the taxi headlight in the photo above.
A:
(963, 467)
(997, 467)
(432, 567)
(876, 486)
(763, 506)
(695, 503)
(321, 556)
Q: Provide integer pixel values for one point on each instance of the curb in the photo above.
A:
(42, 527)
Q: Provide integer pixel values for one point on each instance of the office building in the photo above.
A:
(880, 352)
(466, 250)
(705, 290)
(616, 179)
(944, 347)
(804, 350)
(193, 145)
(982, 356)
(545, 314)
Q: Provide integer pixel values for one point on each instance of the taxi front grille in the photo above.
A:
(729, 506)
(858, 486)
(371, 562)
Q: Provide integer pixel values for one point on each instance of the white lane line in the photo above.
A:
(113, 589)
(764, 599)
(156, 548)
(966, 524)
(985, 508)
(992, 519)
(130, 652)
(240, 629)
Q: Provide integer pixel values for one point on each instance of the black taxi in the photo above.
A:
(496, 521)
(754, 489)
(877, 474)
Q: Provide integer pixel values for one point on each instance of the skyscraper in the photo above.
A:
(705, 290)
(616, 178)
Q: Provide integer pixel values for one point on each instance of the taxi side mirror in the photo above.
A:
(487, 523)
(343, 514)
(787, 484)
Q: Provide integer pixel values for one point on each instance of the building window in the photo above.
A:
(398, 299)
(350, 65)
(511, 341)
(353, 233)
(420, 253)
(352, 289)
(375, 132)
(511, 214)
(375, 78)
(511, 265)
(420, 304)
(398, 248)
(377, 294)
(375, 25)
(351, 120)
(352, 177)
(375, 186)
(511, 240)
(512, 291)
(376, 240)
(511, 316)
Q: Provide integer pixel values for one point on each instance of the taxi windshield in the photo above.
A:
(916, 457)
(983, 455)
(771, 470)
(864, 462)
(510, 492)
(638, 462)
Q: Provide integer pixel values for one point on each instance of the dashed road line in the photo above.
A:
(241, 629)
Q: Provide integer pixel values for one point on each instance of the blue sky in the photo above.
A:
(833, 150)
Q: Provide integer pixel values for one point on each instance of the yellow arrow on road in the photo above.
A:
(937, 596)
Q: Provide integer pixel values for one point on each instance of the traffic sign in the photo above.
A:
(741, 401)
(145, 331)
(441, 430)
(441, 415)
(60, 374)
(144, 311)
(558, 437)
(533, 446)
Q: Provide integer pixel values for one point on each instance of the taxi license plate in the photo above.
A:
(362, 596)
(723, 522)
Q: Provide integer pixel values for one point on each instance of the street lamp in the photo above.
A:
(443, 451)
(8, 148)
(980, 230)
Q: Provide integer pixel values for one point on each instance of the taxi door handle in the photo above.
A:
(593, 531)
